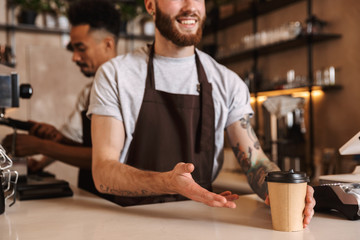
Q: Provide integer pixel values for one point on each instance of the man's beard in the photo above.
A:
(167, 28)
(86, 73)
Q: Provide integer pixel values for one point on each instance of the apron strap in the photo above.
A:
(150, 84)
(207, 117)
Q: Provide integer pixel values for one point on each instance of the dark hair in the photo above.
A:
(99, 14)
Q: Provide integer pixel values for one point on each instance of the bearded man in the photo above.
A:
(159, 114)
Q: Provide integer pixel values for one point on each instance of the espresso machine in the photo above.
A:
(29, 186)
(10, 92)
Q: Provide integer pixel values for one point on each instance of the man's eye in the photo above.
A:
(80, 49)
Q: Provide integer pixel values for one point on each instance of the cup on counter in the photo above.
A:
(287, 191)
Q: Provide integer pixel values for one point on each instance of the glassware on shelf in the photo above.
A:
(314, 25)
(326, 76)
(285, 32)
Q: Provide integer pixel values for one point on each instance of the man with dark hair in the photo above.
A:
(158, 118)
(94, 35)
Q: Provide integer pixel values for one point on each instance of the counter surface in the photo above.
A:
(85, 216)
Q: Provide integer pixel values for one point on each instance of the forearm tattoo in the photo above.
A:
(126, 193)
(245, 123)
(256, 168)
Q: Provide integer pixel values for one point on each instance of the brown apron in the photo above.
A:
(85, 180)
(173, 128)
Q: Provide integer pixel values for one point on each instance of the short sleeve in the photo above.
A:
(104, 98)
(73, 128)
(239, 99)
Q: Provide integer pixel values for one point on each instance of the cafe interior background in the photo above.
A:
(299, 58)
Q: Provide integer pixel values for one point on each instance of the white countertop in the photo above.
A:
(85, 216)
(236, 182)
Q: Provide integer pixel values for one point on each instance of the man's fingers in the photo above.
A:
(200, 194)
(307, 219)
(229, 196)
(34, 129)
(309, 200)
(184, 168)
(216, 200)
(189, 167)
(213, 200)
(190, 189)
(223, 201)
(267, 200)
(309, 206)
(309, 191)
(226, 193)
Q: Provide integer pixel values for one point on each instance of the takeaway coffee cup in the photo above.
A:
(287, 191)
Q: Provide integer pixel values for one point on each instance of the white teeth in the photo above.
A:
(189, 22)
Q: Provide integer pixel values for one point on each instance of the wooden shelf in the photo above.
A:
(35, 29)
(254, 10)
(136, 37)
(300, 41)
(289, 91)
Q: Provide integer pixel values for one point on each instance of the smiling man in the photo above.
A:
(159, 114)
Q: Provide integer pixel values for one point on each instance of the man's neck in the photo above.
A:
(166, 48)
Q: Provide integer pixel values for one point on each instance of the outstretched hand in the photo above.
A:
(180, 181)
(309, 205)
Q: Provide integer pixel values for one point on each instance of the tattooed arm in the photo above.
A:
(256, 165)
(250, 156)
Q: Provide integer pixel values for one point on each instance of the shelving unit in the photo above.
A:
(308, 40)
(256, 9)
(11, 29)
(35, 29)
(300, 41)
(290, 91)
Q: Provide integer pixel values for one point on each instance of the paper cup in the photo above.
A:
(287, 191)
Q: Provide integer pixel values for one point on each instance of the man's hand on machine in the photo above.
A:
(25, 145)
(181, 182)
(45, 131)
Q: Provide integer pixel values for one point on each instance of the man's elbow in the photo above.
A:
(98, 180)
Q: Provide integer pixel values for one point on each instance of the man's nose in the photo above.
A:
(189, 5)
(76, 57)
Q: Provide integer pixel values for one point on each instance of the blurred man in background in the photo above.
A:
(94, 35)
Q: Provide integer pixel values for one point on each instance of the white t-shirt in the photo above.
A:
(119, 86)
(73, 127)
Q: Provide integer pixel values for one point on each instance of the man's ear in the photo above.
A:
(110, 43)
(150, 6)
